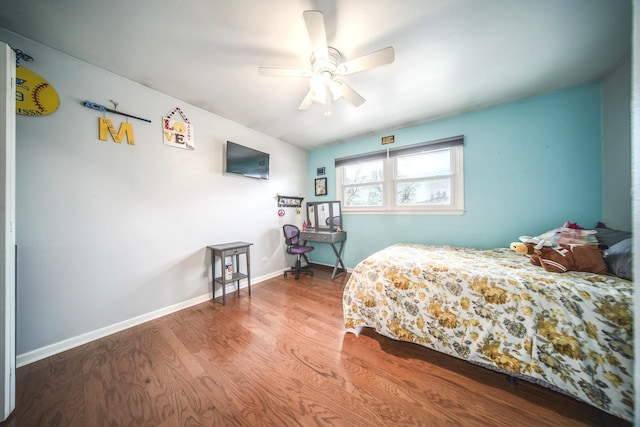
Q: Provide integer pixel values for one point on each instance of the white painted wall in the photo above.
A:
(110, 232)
(616, 147)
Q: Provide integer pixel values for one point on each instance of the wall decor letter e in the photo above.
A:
(125, 129)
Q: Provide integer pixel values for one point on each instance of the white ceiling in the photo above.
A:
(451, 56)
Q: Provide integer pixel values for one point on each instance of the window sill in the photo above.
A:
(410, 211)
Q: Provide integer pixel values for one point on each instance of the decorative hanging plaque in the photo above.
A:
(177, 133)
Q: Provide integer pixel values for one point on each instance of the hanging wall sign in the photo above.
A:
(177, 133)
(107, 128)
(34, 95)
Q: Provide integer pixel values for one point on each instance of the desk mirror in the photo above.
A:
(324, 216)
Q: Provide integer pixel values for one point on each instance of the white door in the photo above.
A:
(7, 232)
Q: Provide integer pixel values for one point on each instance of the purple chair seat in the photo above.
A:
(292, 238)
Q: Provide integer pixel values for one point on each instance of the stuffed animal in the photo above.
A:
(528, 249)
(562, 258)
(522, 248)
(537, 242)
(566, 248)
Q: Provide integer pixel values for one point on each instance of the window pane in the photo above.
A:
(370, 195)
(424, 164)
(429, 182)
(363, 172)
(432, 192)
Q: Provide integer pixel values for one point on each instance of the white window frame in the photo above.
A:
(389, 194)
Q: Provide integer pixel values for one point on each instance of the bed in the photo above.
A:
(570, 331)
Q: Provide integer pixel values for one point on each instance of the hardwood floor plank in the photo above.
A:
(278, 358)
(51, 393)
(121, 389)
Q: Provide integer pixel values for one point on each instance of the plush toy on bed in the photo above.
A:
(560, 258)
(528, 246)
(522, 248)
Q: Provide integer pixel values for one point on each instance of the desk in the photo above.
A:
(223, 251)
(331, 237)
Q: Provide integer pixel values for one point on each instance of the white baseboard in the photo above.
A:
(55, 348)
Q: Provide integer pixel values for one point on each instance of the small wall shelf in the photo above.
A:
(289, 201)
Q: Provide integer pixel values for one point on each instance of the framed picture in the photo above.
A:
(388, 139)
(321, 186)
(320, 171)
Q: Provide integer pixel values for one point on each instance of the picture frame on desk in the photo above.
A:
(321, 186)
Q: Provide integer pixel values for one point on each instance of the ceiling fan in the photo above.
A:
(327, 66)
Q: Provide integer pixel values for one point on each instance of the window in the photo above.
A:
(363, 182)
(420, 178)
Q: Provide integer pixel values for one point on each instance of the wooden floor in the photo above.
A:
(277, 358)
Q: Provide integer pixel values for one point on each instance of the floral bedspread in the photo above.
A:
(571, 331)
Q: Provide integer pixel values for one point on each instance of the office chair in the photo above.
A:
(336, 221)
(292, 238)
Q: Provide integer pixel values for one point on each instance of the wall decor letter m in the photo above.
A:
(106, 125)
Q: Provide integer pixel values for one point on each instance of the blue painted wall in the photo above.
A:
(529, 166)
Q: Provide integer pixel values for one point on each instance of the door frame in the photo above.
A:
(7, 232)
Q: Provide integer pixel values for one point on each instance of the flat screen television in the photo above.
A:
(246, 161)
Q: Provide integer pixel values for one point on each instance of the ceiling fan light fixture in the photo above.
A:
(321, 90)
(325, 88)
(326, 65)
(317, 85)
(336, 89)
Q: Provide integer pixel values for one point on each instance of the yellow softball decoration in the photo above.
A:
(34, 95)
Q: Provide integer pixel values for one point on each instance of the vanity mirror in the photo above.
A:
(324, 216)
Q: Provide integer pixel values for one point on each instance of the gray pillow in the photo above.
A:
(608, 236)
(619, 259)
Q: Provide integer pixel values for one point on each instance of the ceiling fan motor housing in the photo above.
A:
(329, 64)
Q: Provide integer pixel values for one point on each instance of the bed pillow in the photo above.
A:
(608, 236)
(619, 259)
(569, 236)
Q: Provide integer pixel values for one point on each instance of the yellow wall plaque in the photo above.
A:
(106, 128)
(34, 95)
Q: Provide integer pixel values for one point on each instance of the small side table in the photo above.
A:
(223, 251)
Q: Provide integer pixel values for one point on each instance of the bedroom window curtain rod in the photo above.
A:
(436, 144)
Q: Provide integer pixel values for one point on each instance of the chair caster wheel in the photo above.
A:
(311, 274)
(285, 274)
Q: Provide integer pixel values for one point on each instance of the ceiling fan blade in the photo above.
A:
(283, 72)
(351, 95)
(317, 35)
(307, 101)
(365, 62)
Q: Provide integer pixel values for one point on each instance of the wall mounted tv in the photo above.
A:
(246, 161)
